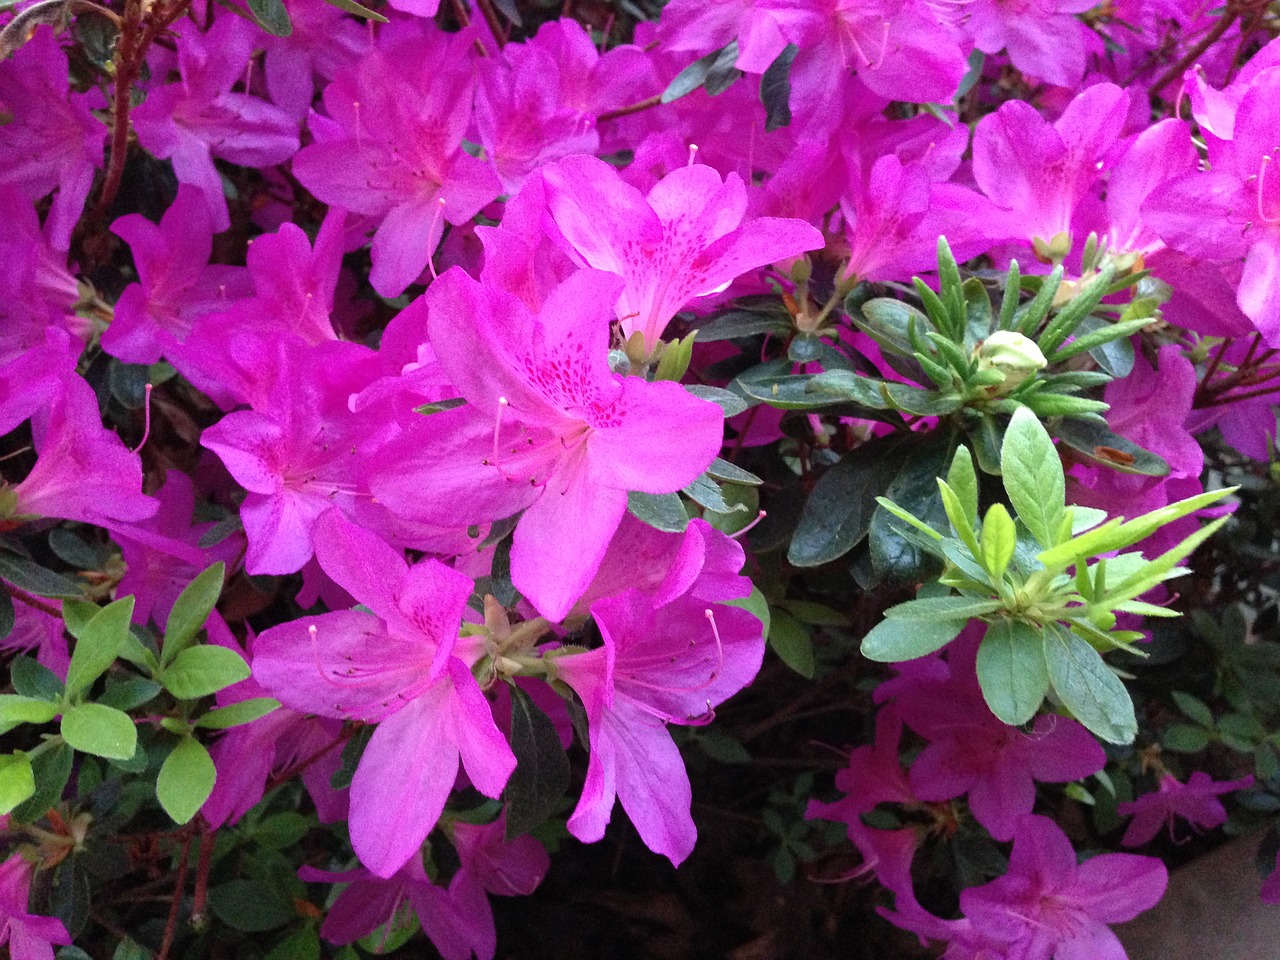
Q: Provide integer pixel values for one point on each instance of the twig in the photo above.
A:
(491, 18)
(171, 925)
(630, 109)
(27, 600)
(207, 839)
(293, 771)
(1209, 39)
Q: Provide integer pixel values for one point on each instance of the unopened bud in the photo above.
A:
(1011, 354)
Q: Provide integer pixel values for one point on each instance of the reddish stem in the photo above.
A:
(1209, 39)
(207, 839)
(171, 925)
(27, 600)
(630, 109)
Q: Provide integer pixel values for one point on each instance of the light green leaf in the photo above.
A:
(999, 539)
(17, 709)
(185, 780)
(98, 644)
(892, 641)
(246, 711)
(1087, 687)
(199, 671)
(961, 523)
(756, 605)
(1085, 518)
(1033, 476)
(191, 610)
(792, 643)
(963, 479)
(1012, 670)
(17, 782)
(943, 608)
(1162, 567)
(100, 730)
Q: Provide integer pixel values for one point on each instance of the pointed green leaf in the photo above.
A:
(732, 473)
(1033, 476)
(185, 780)
(943, 608)
(15, 710)
(271, 16)
(999, 539)
(960, 521)
(236, 714)
(792, 643)
(775, 89)
(100, 730)
(662, 511)
(191, 610)
(1087, 687)
(98, 644)
(892, 641)
(1096, 441)
(30, 576)
(1012, 670)
(30, 678)
(199, 671)
(350, 6)
(537, 786)
(17, 782)
(963, 479)
(1162, 567)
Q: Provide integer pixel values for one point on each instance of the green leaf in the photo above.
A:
(888, 322)
(33, 578)
(30, 678)
(999, 539)
(1012, 670)
(963, 479)
(52, 770)
(350, 6)
(1085, 342)
(251, 906)
(960, 521)
(943, 608)
(662, 511)
(775, 89)
(246, 711)
(892, 641)
(732, 473)
(185, 780)
(98, 644)
(758, 607)
(1193, 707)
(696, 74)
(1033, 476)
(302, 944)
(706, 493)
(100, 730)
(792, 643)
(77, 614)
(1100, 445)
(15, 710)
(816, 614)
(8, 616)
(1028, 317)
(199, 671)
(1184, 738)
(537, 786)
(730, 403)
(1162, 567)
(129, 694)
(883, 394)
(733, 324)
(17, 782)
(191, 610)
(1070, 316)
(838, 513)
(1087, 687)
(271, 16)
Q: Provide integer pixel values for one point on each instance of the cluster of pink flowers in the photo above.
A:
(560, 223)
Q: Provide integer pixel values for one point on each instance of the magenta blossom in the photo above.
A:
(402, 666)
(30, 937)
(684, 240)
(547, 429)
(1195, 801)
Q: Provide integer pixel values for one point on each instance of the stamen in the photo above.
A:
(435, 241)
(884, 45)
(749, 527)
(146, 421)
(503, 403)
(355, 105)
(693, 154)
(1262, 182)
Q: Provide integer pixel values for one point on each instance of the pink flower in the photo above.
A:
(685, 240)
(1195, 801)
(547, 429)
(30, 937)
(400, 665)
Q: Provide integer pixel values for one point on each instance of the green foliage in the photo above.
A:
(1050, 610)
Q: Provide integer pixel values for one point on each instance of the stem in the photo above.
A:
(491, 18)
(298, 768)
(137, 31)
(1209, 39)
(630, 109)
(27, 600)
(171, 925)
(207, 840)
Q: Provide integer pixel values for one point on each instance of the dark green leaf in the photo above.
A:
(74, 551)
(1099, 444)
(128, 384)
(1193, 707)
(129, 693)
(706, 493)
(250, 906)
(1012, 671)
(838, 513)
(100, 730)
(33, 679)
(695, 75)
(1087, 687)
(892, 641)
(792, 643)
(352, 751)
(895, 555)
(52, 770)
(282, 830)
(303, 944)
(131, 950)
(350, 6)
(199, 671)
(731, 473)
(185, 780)
(663, 512)
(943, 609)
(541, 777)
(191, 610)
(33, 578)
(1184, 738)
(730, 403)
(775, 89)
(734, 324)
(227, 525)
(271, 16)
(7, 614)
(69, 895)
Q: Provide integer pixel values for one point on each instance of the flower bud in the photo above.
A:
(1011, 354)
